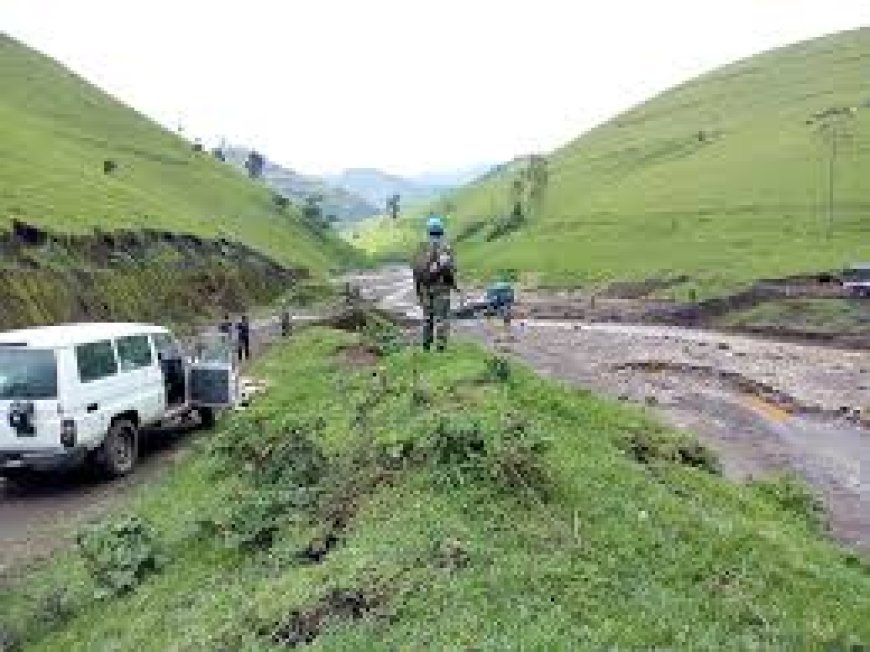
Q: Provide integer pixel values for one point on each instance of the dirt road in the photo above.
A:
(762, 405)
(35, 519)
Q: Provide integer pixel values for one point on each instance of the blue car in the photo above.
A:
(499, 298)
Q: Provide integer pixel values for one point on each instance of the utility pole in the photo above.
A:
(832, 169)
(833, 124)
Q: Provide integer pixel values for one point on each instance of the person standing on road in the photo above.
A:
(434, 279)
(226, 329)
(286, 322)
(244, 338)
(226, 326)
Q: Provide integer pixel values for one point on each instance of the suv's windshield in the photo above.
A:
(27, 374)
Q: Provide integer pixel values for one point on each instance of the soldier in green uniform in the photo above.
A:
(434, 279)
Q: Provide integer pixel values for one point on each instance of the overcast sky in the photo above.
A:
(403, 85)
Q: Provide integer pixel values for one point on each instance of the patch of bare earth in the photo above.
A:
(358, 356)
(303, 626)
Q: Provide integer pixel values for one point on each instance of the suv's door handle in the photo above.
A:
(93, 407)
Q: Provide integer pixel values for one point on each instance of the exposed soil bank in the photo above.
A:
(130, 275)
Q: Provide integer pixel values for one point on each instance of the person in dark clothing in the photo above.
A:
(243, 331)
(226, 326)
(286, 323)
(434, 280)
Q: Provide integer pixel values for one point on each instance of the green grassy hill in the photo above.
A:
(449, 502)
(724, 179)
(56, 130)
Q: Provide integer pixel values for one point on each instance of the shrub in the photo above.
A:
(516, 461)
(282, 453)
(652, 445)
(498, 369)
(252, 520)
(119, 554)
(790, 493)
(284, 469)
(508, 274)
(456, 449)
(470, 230)
(511, 457)
(506, 225)
(384, 336)
(8, 640)
(307, 292)
(281, 202)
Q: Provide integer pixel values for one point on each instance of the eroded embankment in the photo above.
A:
(129, 275)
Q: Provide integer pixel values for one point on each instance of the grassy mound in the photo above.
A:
(56, 134)
(443, 502)
(723, 179)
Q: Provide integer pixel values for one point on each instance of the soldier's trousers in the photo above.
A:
(436, 318)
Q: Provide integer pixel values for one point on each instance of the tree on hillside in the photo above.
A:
(312, 211)
(834, 127)
(255, 164)
(393, 206)
(281, 202)
(528, 187)
(517, 197)
(538, 176)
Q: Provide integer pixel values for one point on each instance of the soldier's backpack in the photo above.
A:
(433, 265)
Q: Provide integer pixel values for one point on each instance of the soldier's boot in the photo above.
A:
(442, 330)
(428, 330)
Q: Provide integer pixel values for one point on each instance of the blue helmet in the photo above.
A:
(434, 226)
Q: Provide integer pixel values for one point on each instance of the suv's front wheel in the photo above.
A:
(119, 451)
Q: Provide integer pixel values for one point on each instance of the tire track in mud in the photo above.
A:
(772, 402)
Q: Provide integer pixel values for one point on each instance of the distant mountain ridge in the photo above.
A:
(449, 179)
(339, 202)
(358, 193)
(376, 186)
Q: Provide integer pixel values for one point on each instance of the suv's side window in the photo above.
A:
(96, 360)
(134, 352)
(167, 347)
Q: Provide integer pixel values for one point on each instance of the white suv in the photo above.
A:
(83, 391)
